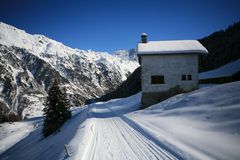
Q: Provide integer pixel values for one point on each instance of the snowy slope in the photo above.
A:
(29, 64)
(203, 124)
(27, 136)
(12, 133)
(195, 125)
(224, 71)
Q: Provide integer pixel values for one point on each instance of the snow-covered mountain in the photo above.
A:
(29, 64)
(129, 55)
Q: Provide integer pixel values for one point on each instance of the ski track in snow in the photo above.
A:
(114, 137)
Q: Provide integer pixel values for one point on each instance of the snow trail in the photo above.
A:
(112, 137)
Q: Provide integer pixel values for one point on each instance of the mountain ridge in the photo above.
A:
(29, 63)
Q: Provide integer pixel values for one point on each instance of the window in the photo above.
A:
(157, 80)
(184, 78)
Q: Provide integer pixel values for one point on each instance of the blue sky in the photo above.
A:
(109, 25)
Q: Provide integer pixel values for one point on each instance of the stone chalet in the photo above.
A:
(168, 68)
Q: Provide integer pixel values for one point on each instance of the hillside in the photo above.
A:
(30, 63)
(129, 87)
(223, 47)
(194, 125)
(227, 70)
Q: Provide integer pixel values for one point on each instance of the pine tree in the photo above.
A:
(56, 111)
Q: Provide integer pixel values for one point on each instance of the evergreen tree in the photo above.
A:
(56, 111)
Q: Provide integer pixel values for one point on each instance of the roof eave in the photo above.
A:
(170, 53)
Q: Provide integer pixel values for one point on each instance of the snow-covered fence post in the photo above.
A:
(66, 150)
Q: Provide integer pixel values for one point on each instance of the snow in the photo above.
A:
(112, 136)
(171, 47)
(224, 71)
(33, 146)
(41, 45)
(194, 125)
(203, 124)
(100, 70)
(11, 36)
(51, 51)
(12, 133)
(1, 88)
(35, 108)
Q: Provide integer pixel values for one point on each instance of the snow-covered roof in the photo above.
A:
(171, 47)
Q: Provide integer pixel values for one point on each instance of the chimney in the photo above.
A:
(144, 38)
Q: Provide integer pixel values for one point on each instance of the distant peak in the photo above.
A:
(9, 27)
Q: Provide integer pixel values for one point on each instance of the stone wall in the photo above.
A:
(172, 67)
(150, 98)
